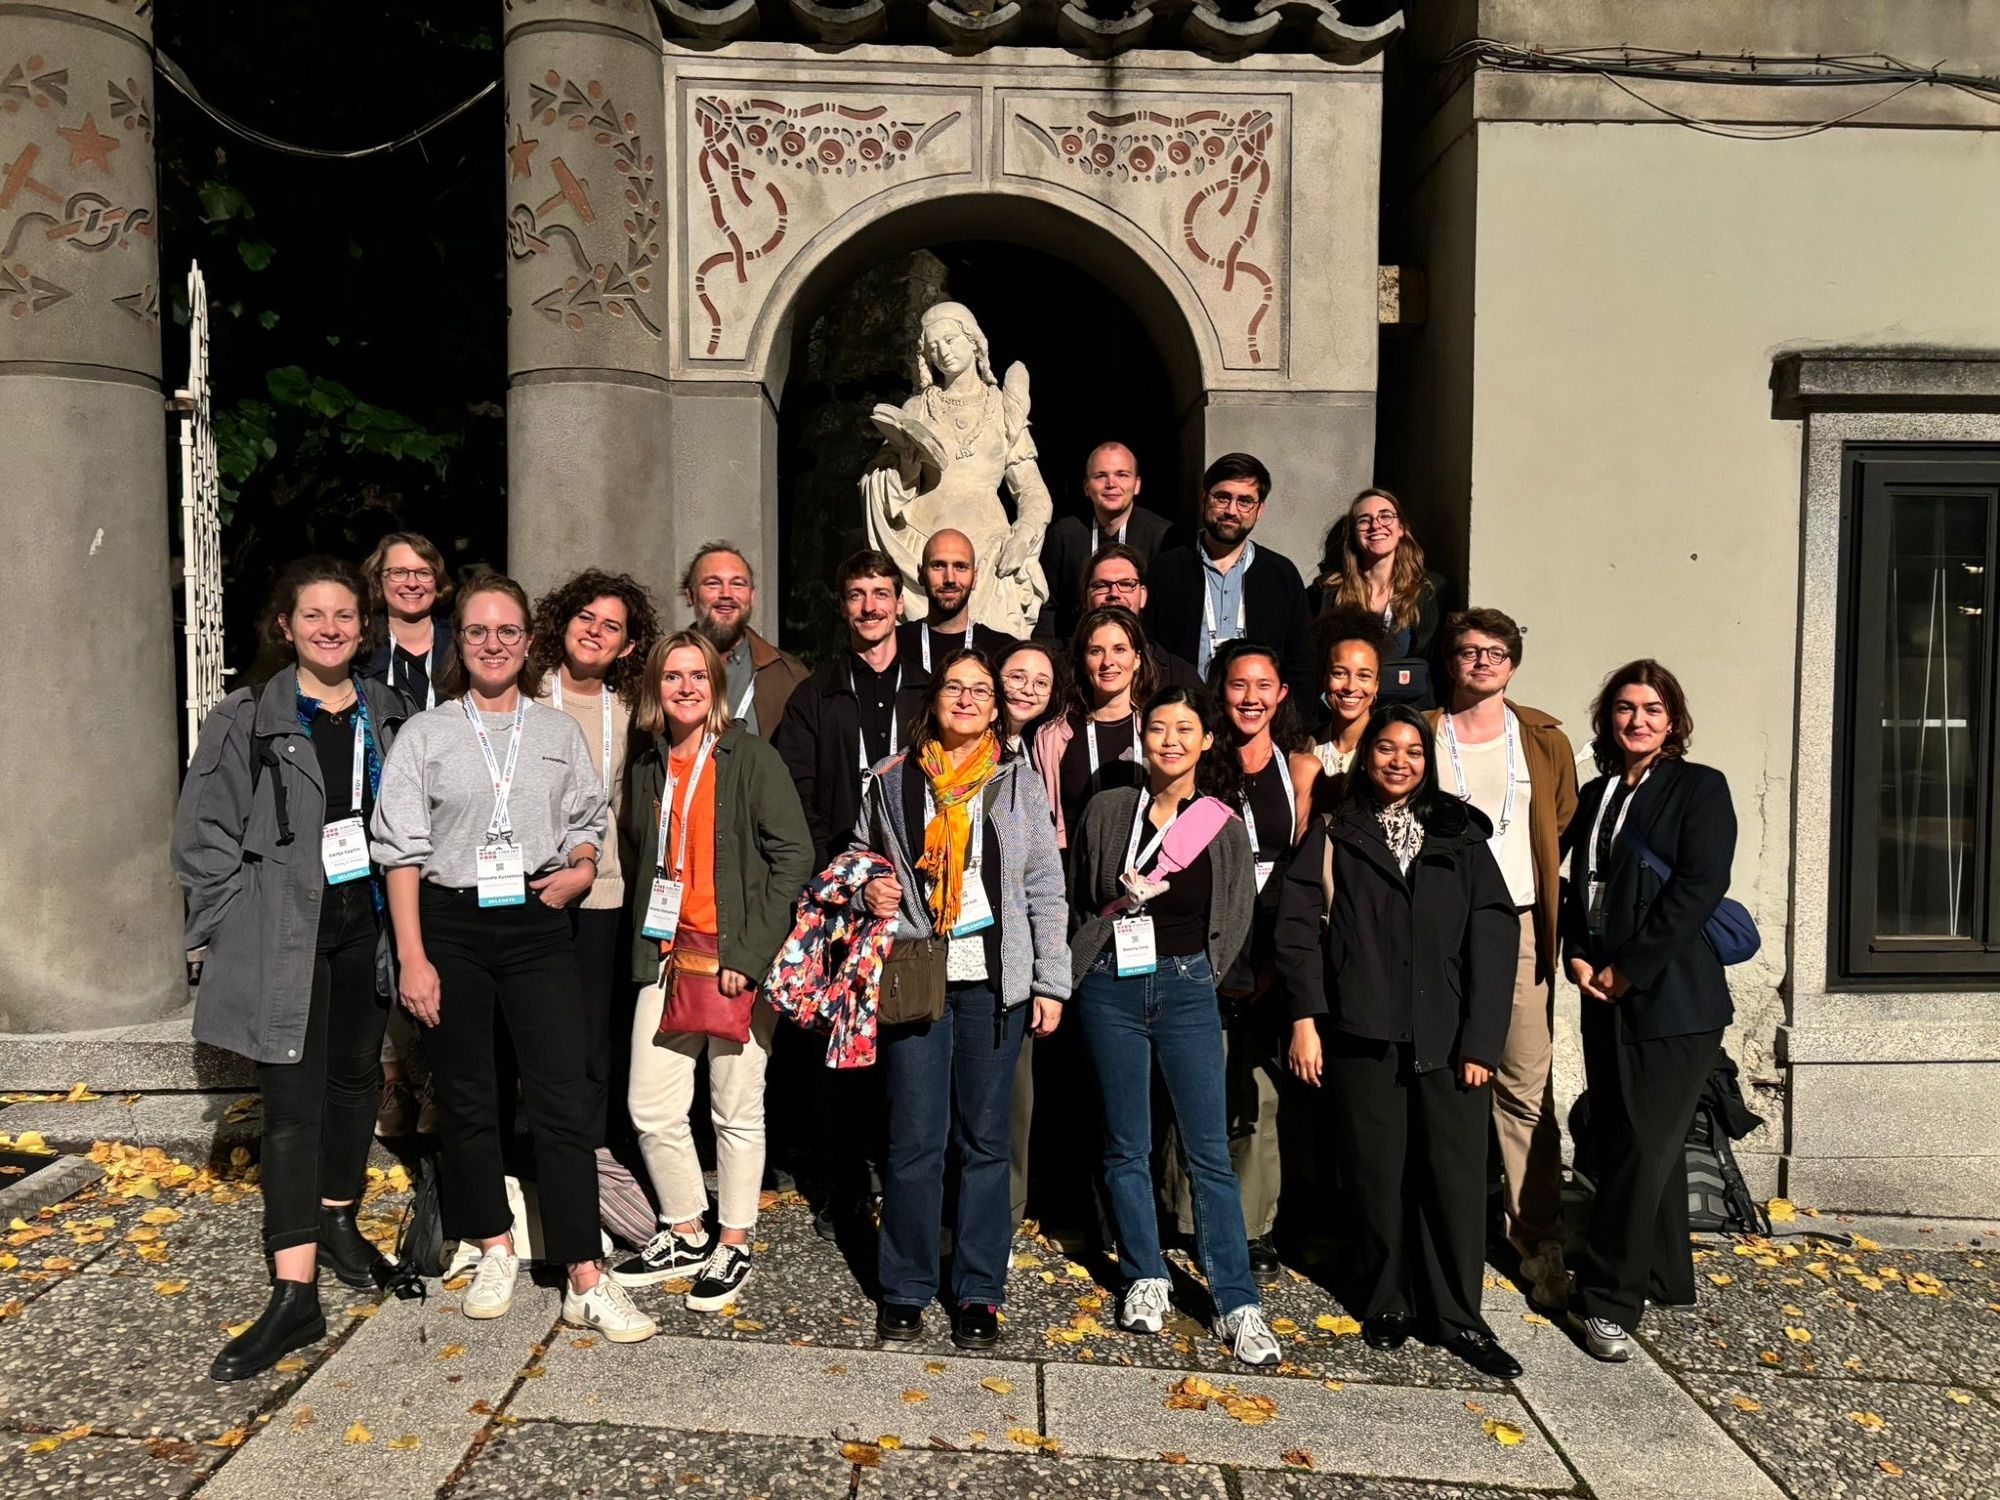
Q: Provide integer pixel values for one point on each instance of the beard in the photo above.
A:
(724, 637)
(1226, 531)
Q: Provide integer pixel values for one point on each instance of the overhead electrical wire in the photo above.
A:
(177, 76)
(1616, 65)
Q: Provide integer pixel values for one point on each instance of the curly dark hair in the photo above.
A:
(301, 575)
(1217, 774)
(555, 609)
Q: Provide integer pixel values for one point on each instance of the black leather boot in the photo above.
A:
(290, 1320)
(344, 1251)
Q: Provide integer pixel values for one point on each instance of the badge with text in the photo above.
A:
(343, 850)
(663, 910)
(1132, 937)
(975, 912)
(1264, 869)
(502, 875)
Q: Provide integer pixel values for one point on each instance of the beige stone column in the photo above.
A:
(89, 764)
(588, 429)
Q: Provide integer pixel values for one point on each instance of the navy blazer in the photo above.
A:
(1652, 925)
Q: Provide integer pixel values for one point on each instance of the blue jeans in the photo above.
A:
(950, 1078)
(1170, 1014)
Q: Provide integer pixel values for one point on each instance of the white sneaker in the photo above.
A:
(1546, 1275)
(492, 1289)
(1147, 1302)
(1603, 1338)
(1249, 1336)
(607, 1308)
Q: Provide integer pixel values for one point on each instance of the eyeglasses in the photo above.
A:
(1100, 587)
(978, 692)
(1018, 681)
(1386, 521)
(1236, 502)
(410, 575)
(475, 635)
(1473, 655)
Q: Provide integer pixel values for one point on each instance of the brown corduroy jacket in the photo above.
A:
(1552, 768)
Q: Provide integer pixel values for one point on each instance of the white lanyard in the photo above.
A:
(1134, 855)
(605, 698)
(360, 752)
(1109, 539)
(925, 642)
(1090, 742)
(503, 781)
(1465, 792)
(1242, 597)
(1597, 823)
(1291, 803)
(687, 802)
(861, 733)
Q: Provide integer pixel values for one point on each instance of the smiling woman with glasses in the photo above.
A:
(1032, 687)
(979, 959)
(1373, 564)
(408, 581)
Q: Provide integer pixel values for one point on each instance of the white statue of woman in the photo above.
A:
(948, 450)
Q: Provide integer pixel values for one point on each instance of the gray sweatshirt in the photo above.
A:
(437, 794)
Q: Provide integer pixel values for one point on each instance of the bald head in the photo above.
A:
(1111, 482)
(951, 571)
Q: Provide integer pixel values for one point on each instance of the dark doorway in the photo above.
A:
(1096, 374)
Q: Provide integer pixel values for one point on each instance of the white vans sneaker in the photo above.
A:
(492, 1289)
(1147, 1302)
(607, 1308)
(1249, 1337)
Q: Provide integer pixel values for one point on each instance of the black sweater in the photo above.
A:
(819, 739)
(1274, 612)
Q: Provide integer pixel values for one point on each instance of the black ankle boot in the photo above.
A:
(291, 1320)
(344, 1251)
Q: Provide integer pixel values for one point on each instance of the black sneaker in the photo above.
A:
(666, 1256)
(1264, 1267)
(977, 1326)
(720, 1280)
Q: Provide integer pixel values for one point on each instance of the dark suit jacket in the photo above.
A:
(819, 740)
(1066, 552)
(1652, 926)
(1274, 612)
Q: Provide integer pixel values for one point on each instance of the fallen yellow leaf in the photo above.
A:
(1334, 1385)
(1506, 1434)
(1077, 1272)
(1925, 1285)
(916, 1395)
(407, 1440)
(170, 1288)
(747, 1325)
(1027, 1437)
(357, 1434)
(1781, 1210)
(865, 1454)
(302, 1419)
(451, 1351)
(1537, 1319)
(162, 1215)
(1475, 1407)
(1769, 1357)
(236, 1437)
(236, 1330)
(1328, 1323)
(1744, 1403)
(364, 1309)
(1720, 1278)
(1889, 1466)
(1960, 1397)
(1173, 1458)
(998, 1386)
(934, 1367)
(45, 1445)
(1799, 1335)
(889, 1441)
(71, 1434)
(1283, 1326)
(1867, 1419)
(1298, 1458)
(31, 1141)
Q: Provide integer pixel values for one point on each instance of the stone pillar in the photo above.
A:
(89, 913)
(589, 430)
(1318, 445)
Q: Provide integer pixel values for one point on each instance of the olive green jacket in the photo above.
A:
(763, 851)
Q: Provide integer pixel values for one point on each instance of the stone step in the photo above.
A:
(159, 1055)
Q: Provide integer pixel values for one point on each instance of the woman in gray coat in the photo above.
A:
(270, 843)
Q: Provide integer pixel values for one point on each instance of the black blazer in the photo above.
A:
(819, 739)
(1066, 552)
(379, 660)
(1274, 613)
(1652, 926)
(1425, 959)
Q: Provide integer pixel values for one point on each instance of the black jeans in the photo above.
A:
(515, 964)
(608, 996)
(1642, 1098)
(1412, 1152)
(319, 1112)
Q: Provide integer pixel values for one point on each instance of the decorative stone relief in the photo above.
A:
(79, 260)
(765, 171)
(1206, 179)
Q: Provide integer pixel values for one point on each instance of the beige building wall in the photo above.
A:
(1631, 493)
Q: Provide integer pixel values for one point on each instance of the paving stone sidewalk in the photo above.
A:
(1810, 1367)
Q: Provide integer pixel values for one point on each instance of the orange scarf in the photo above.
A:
(948, 835)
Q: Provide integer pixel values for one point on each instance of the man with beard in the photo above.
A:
(722, 591)
(1225, 587)
(951, 573)
(1111, 484)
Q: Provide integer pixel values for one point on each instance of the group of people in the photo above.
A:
(1288, 859)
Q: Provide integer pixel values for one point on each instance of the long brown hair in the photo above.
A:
(555, 609)
(1645, 672)
(1350, 588)
(452, 678)
(1145, 680)
(301, 575)
(651, 714)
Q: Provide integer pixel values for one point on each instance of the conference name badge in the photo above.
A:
(1132, 940)
(502, 875)
(1264, 869)
(343, 850)
(663, 910)
(975, 912)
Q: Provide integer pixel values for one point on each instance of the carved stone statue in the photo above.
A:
(947, 451)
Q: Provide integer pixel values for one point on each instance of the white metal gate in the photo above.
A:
(201, 524)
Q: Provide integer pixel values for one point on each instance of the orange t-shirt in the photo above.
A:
(698, 912)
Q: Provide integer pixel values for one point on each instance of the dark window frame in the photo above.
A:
(1861, 958)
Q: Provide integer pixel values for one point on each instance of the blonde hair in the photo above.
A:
(651, 715)
(1406, 579)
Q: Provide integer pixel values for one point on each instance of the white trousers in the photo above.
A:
(662, 1093)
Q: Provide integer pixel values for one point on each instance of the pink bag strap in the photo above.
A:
(1193, 831)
